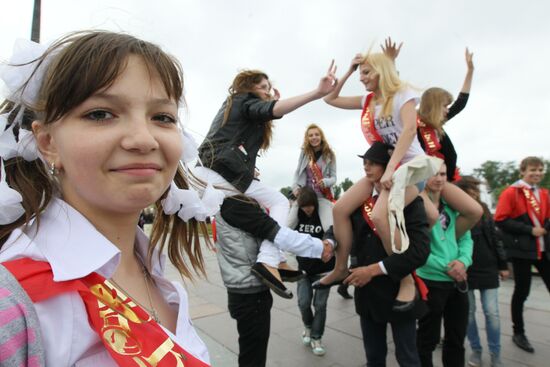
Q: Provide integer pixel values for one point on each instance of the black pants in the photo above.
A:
(522, 278)
(240, 212)
(452, 306)
(253, 315)
(376, 347)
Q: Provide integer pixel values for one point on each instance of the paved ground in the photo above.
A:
(342, 335)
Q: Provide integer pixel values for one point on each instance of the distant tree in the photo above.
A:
(346, 184)
(337, 189)
(499, 175)
(286, 191)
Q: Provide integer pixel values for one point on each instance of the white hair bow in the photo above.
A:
(10, 201)
(187, 203)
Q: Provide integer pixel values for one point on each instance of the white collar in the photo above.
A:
(75, 248)
(523, 183)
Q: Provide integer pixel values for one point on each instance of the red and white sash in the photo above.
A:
(367, 122)
(129, 333)
(317, 178)
(535, 213)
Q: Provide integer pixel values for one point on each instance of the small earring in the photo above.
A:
(52, 170)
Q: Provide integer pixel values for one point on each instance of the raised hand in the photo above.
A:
(355, 62)
(389, 48)
(469, 59)
(328, 82)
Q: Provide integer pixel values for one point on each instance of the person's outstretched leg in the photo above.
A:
(344, 207)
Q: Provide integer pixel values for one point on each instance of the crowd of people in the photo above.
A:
(84, 158)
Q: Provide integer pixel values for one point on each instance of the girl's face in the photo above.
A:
(369, 77)
(314, 138)
(118, 151)
(374, 171)
(436, 182)
(444, 111)
(263, 89)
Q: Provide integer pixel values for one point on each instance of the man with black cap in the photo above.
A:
(377, 275)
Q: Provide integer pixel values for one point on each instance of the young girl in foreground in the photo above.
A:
(105, 111)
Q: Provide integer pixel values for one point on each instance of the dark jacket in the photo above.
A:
(312, 226)
(231, 148)
(375, 299)
(512, 218)
(488, 256)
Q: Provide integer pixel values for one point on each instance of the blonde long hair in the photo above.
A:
(389, 82)
(431, 107)
(327, 152)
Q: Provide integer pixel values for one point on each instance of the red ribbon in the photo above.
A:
(317, 179)
(130, 335)
(367, 122)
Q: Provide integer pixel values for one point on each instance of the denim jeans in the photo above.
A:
(318, 297)
(489, 303)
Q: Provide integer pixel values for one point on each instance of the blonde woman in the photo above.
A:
(316, 169)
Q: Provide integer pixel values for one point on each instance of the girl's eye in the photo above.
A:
(165, 118)
(99, 115)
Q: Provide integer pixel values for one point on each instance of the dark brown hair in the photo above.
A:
(245, 82)
(81, 64)
(307, 197)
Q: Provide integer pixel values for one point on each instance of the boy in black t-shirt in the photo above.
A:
(308, 221)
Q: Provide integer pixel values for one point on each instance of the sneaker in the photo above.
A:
(495, 361)
(317, 347)
(475, 358)
(306, 336)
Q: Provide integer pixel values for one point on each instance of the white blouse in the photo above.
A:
(74, 249)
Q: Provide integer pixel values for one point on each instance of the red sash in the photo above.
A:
(317, 178)
(432, 146)
(366, 210)
(130, 335)
(367, 122)
(534, 211)
(430, 139)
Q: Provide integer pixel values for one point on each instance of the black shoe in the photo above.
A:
(291, 275)
(343, 291)
(269, 279)
(400, 306)
(318, 285)
(521, 341)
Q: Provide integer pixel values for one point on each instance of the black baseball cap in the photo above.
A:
(378, 152)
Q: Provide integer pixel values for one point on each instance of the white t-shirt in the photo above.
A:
(74, 249)
(391, 127)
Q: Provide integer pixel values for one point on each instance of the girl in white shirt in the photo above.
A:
(98, 139)
(389, 115)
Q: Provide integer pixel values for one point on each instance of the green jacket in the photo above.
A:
(445, 248)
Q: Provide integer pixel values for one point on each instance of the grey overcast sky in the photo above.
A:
(506, 118)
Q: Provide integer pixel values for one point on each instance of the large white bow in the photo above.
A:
(187, 203)
(10, 201)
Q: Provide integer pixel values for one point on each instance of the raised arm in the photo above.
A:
(326, 85)
(469, 73)
(348, 103)
(390, 49)
(462, 98)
